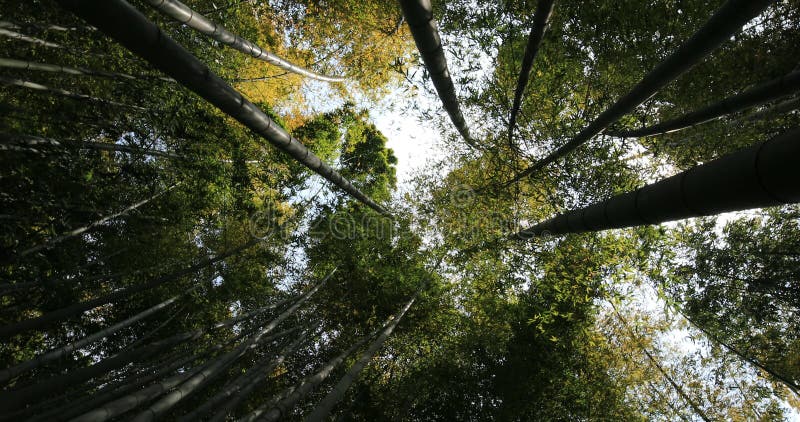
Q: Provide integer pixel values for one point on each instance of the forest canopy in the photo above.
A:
(203, 217)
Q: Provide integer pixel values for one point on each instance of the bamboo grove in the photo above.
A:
(201, 219)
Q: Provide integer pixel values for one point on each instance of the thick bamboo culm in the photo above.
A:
(419, 15)
(760, 176)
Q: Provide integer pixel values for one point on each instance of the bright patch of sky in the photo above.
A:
(413, 139)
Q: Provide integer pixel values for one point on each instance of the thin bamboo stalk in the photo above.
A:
(186, 16)
(725, 22)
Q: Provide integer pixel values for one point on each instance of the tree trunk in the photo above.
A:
(133, 30)
(544, 9)
(419, 15)
(766, 92)
(186, 16)
(763, 175)
(327, 404)
(725, 22)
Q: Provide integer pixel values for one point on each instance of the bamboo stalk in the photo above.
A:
(186, 16)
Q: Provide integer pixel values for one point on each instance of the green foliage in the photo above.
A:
(501, 329)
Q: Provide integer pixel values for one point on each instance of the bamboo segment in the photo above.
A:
(62, 351)
(419, 15)
(22, 37)
(185, 15)
(781, 87)
(93, 225)
(62, 92)
(544, 9)
(215, 369)
(46, 67)
(76, 308)
(327, 404)
(760, 176)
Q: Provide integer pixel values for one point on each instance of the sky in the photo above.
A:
(414, 141)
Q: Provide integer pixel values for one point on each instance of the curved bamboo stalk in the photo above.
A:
(725, 22)
(544, 9)
(130, 27)
(215, 369)
(22, 37)
(419, 15)
(185, 15)
(46, 67)
(768, 91)
(62, 92)
(760, 176)
(326, 405)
